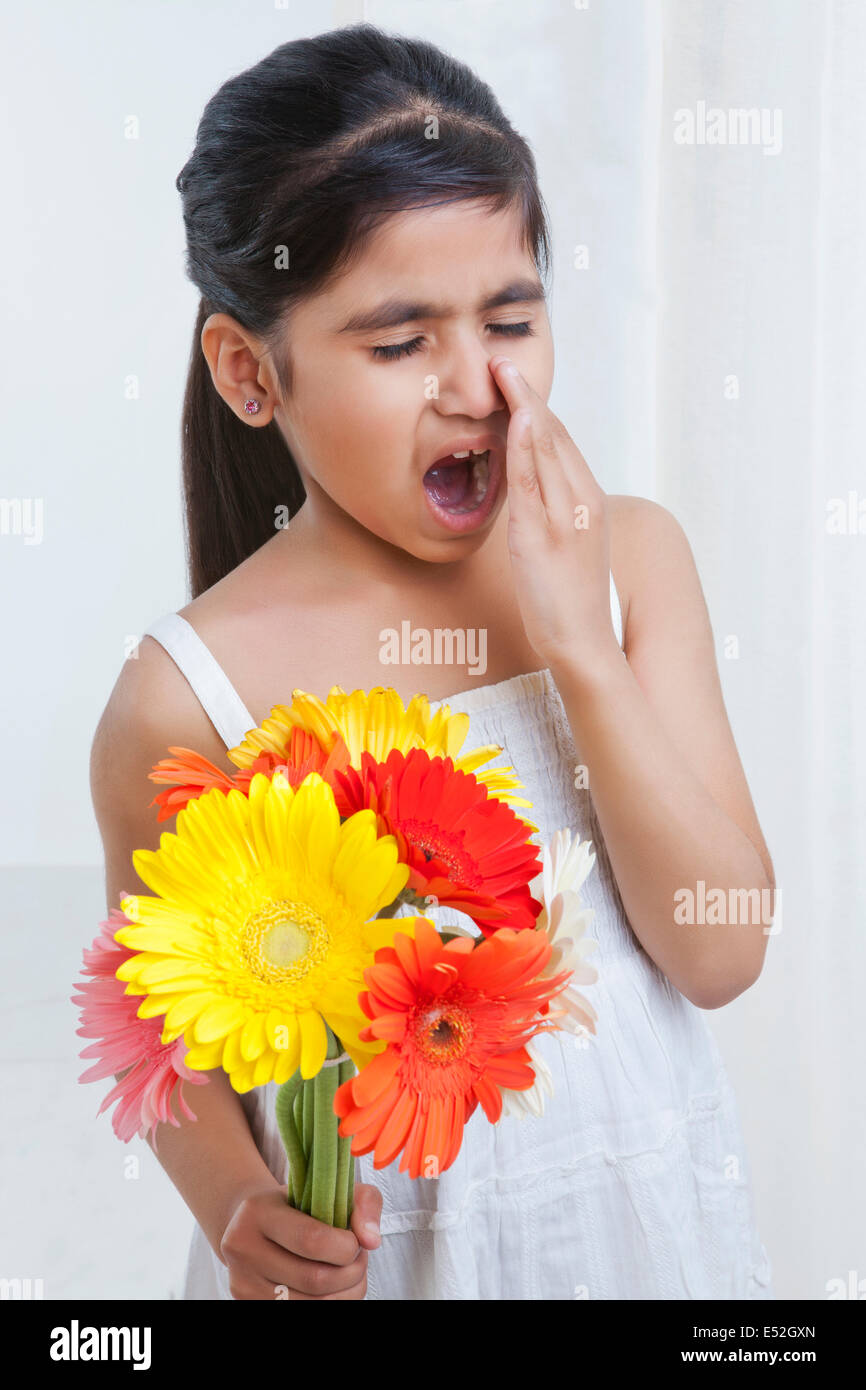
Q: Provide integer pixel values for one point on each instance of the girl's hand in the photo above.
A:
(558, 531)
(272, 1251)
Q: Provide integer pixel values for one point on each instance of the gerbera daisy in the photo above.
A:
(456, 1018)
(463, 847)
(190, 775)
(376, 723)
(519, 1105)
(155, 1069)
(261, 930)
(563, 920)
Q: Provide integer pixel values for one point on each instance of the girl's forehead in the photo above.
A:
(460, 256)
(460, 225)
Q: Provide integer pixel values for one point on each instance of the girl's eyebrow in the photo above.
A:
(392, 312)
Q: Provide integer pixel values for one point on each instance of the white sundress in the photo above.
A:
(634, 1184)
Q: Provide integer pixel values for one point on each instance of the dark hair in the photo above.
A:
(306, 153)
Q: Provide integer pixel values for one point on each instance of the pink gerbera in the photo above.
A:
(109, 1014)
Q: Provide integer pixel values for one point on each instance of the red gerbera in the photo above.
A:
(463, 846)
(191, 775)
(456, 1018)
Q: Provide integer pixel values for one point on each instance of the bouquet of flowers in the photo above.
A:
(268, 946)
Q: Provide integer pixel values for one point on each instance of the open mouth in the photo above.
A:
(459, 483)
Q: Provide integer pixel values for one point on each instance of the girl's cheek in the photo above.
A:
(539, 374)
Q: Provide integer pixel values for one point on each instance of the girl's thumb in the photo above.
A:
(366, 1211)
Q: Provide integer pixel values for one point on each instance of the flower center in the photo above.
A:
(443, 1034)
(435, 843)
(283, 941)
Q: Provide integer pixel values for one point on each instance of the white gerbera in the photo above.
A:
(565, 865)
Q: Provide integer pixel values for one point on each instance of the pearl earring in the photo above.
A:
(252, 407)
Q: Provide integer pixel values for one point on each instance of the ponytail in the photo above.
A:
(239, 483)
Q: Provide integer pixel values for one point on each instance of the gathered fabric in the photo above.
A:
(634, 1183)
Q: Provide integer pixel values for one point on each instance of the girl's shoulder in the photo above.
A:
(277, 622)
(650, 557)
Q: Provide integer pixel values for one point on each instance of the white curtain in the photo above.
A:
(760, 265)
(708, 308)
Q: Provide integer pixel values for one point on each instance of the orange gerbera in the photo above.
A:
(191, 775)
(463, 846)
(456, 1018)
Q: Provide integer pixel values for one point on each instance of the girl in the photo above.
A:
(367, 234)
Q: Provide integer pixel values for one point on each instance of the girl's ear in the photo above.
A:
(240, 368)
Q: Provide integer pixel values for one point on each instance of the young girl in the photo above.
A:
(367, 442)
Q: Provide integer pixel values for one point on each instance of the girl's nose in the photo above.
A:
(466, 384)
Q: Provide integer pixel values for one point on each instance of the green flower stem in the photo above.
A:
(298, 1114)
(291, 1139)
(324, 1145)
(345, 1179)
(307, 1196)
(321, 1166)
(325, 1137)
(307, 1136)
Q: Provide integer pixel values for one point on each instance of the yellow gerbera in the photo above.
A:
(261, 929)
(377, 722)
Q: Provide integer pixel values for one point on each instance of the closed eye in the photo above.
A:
(390, 351)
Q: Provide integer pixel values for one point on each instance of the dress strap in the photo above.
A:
(615, 610)
(221, 702)
(218, 697)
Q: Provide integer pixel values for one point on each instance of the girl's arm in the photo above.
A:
(665, 777)
(663, 770)
(213, 1160)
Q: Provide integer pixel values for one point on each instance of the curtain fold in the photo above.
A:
(704, 162)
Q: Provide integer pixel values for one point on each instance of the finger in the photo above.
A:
(280, 1267)
(301, 1234)
(251, 1286)
(368, 1196)
(366, 1214)
(357, 1291)
(558, 462)
(514, 386)
(525, 502)
(550, 447)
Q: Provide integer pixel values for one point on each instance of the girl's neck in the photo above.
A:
(323, 536)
